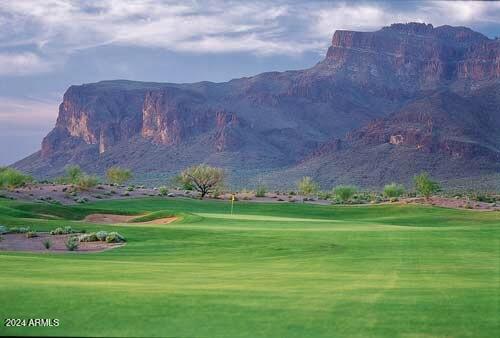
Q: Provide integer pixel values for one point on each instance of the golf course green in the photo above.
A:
(268, 270)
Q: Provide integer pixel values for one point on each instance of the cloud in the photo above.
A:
(22, 64)
(55, 28)
(26, 111)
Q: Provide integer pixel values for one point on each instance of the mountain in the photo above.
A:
(380, 107)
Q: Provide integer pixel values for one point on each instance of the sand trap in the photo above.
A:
(19, 242)
(121, 219)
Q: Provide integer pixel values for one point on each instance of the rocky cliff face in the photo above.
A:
(406, 86)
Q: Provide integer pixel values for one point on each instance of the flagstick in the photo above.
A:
(232, 203)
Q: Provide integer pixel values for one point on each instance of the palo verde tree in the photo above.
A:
(307, 186)
(73, 174)
(203, 178)
(118, 175)
(424, 185)
(11, 178)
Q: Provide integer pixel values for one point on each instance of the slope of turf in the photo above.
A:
(273, 270)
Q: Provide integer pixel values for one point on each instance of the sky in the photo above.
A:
(48, 45)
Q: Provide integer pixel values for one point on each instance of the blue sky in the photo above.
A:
(45, 46)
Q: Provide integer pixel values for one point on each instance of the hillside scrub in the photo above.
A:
(425, 186)
(345, 193)
(394, 190)
(117, 175)
(307, 186)
(12, 178)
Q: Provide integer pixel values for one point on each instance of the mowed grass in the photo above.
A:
(269, 270)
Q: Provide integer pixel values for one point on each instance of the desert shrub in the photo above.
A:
(130, 188)
(72, 243)
(3, 229)
(19, 230)
(307, 186)
(73, 174)
(87, 182)
(101, 235)
(394, 190)
(62, 231)
(92, 237)
(117, 175)
(163, 191)
(324, 195)
(344, 193)
(482, 197)
(261, 191)
(81, 200)
(424, 185)
(12, 178)
(47, 244)
(114, 237)
(31, 234)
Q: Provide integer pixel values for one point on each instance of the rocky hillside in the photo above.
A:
(381, 106)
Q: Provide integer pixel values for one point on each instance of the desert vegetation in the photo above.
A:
(203, 178)
(117, 175)
(12, 178)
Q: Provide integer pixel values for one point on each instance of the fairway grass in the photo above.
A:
(268, 270)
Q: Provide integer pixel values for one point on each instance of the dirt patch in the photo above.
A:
(455, 203)
(108, 218)
(123, 219)
(19, 242)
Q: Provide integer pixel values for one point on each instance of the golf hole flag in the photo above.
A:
(232, 203)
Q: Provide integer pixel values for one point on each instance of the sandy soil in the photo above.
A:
(459, 203)
(120, 219)
(19, 242)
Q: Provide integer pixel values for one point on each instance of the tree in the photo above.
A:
(307, 186)
(86, 182)
(394, 190)
(203, 178)
(118, 175)
(345, 192)
(424, 185)
(11, 178)
(73, 174)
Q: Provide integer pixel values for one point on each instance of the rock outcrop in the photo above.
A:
(411, 87)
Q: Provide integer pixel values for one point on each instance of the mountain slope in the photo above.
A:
(432, 92)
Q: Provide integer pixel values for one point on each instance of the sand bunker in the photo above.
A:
(123, 219)
(19, 242)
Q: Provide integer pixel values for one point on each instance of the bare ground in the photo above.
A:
(19, 242)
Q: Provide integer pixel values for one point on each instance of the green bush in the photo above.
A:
(31, 234)
(424, 185)
(344, 193)
(114, 237)
(261, 191)
(92, 237)
(19, 230)
(87, 182)
(307, 186)
(3, 229)
(394, 190)
(101, 235)
(163, 191)
(62, 231)
(12, 178)
(47, 244)
(72, 243)
(117, 175)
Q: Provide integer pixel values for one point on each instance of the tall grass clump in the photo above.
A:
(394, 190)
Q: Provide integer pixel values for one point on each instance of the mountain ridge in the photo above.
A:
(275, 121)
